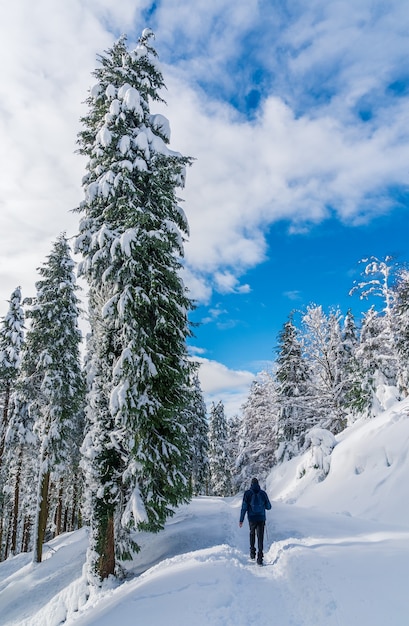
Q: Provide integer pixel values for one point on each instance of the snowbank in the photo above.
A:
(368, 472)
(322, 568)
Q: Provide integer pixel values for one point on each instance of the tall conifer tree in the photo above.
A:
(219, 462)
(21, 461)
(323, 348)
(258, 443)
(401, 314)
(295, 415)
(379, 331)
(197, 425)
(131, 238)
(11, 342)
(59, 385)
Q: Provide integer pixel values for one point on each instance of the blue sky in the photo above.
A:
(297, 116)
(319, 267)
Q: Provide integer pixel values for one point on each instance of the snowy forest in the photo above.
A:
(116, 435)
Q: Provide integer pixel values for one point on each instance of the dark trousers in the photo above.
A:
(256, 528)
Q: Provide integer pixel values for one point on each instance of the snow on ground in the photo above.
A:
(369, 472)
(337, 553)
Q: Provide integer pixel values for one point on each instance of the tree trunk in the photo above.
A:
(8, 540)
(65, 520)
(26, 534)
(105, 548)
(76, 519)
(3, 430)
(42, 514)
(1, 534)
(5, 420)
(58, 515)
(16, 505)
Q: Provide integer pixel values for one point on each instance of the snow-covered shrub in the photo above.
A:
(319, 443)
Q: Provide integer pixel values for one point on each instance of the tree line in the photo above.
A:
(329, 372)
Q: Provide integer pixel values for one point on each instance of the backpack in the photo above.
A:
(257, 504)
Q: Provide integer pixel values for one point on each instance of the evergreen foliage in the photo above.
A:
(219, 461)
(11, 342)
(43, 433)
(131, 238)
(197, 427)
(363, 394)
(256, 454)
(323, 348)
(21, 461)
(401, 317)
(147, 444)
(57, 376)
(330, 372)
(352, 397)
(234, 425)
(378, 352)
(293, 393)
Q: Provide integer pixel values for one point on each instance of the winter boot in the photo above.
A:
(252, 553)
(260, 558)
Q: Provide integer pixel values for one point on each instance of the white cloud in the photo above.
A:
(250, 174)
(218, 382)
(47, 54)
(226, 282)
(200, 289)
(285, 164)
(232, 387)
(214, 314)
(233, 400)
(216, 377)
(196, 350)
(364, 44)
(293, 295)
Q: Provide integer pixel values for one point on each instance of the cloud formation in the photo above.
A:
(293, 111)
(301, 158)
(249, 174)
(219, 382)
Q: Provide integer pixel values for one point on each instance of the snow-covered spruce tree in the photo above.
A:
(401, 316)
(349, 335)
(197, 427)
(384, 350)
(219, 462)
(323, 348)
(353, 374)
(136, 451)
(340, 378)
(21, 460)
(369, 381)
(11, 341)
(258, 442)
(295, 415)
(58, 380)
(233, 447)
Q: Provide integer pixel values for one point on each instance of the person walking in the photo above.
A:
(255, 503)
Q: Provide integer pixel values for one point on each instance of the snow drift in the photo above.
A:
(338, 552)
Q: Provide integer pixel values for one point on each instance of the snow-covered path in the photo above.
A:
(340, 559)
(321, 570)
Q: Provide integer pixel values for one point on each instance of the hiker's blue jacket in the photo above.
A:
(246, 506)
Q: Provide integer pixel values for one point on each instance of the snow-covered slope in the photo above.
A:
(337, 556)
(368, 476)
